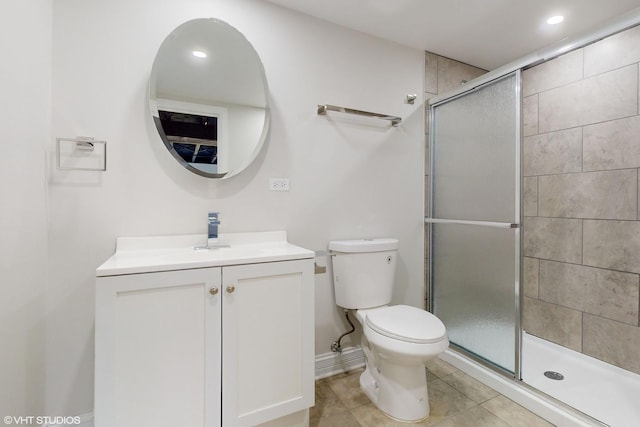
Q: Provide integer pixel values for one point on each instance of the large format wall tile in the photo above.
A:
(530, 115)
(581, 200)
(563, 284)
(551, 74)
(613, 52)
(530, 196)
(613, 342)
(612, 244)
(612, 145)
(452, 73)
(608, 96)
(614, 295)
(557, 324)
(557, 239)
(530, 267)
(430, 72)
(606, 293)
(555, 152)
(595, 195)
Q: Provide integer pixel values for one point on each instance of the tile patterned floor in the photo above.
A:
(457, 400)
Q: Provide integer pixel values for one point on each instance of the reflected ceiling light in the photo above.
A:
(555, 20)
(199, 54)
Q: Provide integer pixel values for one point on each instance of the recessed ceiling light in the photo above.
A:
(555, 20)
(199, 54)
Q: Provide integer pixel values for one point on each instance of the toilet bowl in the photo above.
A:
(397, 340)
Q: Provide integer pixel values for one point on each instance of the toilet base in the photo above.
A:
(400, 391)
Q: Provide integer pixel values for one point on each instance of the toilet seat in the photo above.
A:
(406, 323)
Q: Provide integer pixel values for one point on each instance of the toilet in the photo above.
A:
(397, 340)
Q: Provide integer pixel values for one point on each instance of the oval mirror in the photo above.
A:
(209, 98)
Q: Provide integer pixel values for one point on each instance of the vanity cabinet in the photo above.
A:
(228, 345)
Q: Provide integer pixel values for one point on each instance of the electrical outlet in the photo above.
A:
(278, 184)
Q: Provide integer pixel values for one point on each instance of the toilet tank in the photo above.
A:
(363, 271)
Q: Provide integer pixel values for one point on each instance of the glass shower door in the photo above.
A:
(474, 221)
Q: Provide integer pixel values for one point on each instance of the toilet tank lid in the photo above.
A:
(364, 245)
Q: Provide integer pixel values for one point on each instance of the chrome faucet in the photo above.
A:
(212, 235)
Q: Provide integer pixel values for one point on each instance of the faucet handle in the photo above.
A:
(214, 218)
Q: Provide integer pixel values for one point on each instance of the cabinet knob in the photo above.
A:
(231, 288)
(213, 291)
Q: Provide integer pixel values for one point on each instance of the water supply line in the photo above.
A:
(335, 346)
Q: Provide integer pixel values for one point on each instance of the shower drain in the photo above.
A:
(554, 375)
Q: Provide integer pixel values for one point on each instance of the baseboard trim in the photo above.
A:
(329, 364)
(85, 420)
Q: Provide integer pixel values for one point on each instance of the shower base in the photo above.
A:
(603, 391)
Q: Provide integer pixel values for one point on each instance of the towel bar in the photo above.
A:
(323, 108)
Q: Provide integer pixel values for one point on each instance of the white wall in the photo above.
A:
(348, 179)
(25, 46)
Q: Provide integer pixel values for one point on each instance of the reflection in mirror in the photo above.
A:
(209, 98)
(193, 137)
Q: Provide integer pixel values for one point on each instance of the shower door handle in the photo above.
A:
(465, 222)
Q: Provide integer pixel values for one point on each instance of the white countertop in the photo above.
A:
(165, 253)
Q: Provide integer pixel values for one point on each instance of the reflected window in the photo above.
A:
(206, 154)
(194, 137)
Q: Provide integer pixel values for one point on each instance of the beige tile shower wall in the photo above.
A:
(441, 75)
(581, 228)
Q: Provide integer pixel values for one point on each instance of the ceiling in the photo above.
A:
(484, 33)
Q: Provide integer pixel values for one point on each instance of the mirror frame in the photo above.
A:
(154, 103)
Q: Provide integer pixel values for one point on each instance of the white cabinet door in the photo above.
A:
(211, 347)
(268, 330)
(158, 349)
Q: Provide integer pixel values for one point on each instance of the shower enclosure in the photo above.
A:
(534, 224)
(475, 216)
